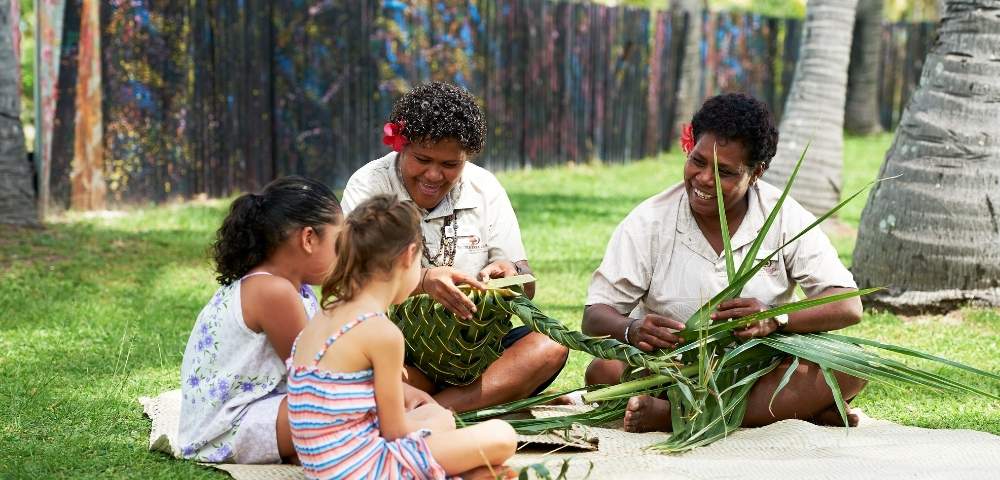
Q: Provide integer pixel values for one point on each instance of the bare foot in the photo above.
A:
(831, 417)
(647, 414)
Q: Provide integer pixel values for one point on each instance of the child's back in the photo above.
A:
(345, 389)
(335, 426)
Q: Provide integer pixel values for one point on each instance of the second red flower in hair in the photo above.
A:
(687, 138)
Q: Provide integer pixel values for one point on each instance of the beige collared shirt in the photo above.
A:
(658, 261)
(485, 226)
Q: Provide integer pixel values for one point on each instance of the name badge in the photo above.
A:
(449, 231)
(469, 239)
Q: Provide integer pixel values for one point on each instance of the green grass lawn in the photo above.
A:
(95, 311)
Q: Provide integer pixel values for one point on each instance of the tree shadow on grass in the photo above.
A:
(99, 315)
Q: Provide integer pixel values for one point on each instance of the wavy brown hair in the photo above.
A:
(375, 234)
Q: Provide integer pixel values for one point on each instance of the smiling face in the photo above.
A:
(430, 171)
(735, 176)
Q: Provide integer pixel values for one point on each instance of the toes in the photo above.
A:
(852, 419)
(635, 404)
(633, 414)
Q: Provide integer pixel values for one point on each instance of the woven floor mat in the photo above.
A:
(876, 449)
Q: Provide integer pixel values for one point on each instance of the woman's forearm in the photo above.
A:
(832, 316)
(602, 320)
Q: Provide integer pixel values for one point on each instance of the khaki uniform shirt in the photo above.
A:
(485, 225)
(658, 261)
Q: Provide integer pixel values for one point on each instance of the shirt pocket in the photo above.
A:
(771, 280)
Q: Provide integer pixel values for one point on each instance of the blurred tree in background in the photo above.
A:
(28, 72)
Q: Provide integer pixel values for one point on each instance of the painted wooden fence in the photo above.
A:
(214, 97)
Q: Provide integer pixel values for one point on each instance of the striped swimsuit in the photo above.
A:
(335, 428)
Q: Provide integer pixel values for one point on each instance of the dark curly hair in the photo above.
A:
(437, 111)
(742, 118)
(258, 223)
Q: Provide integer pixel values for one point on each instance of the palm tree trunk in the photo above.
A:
(814, 111)
(17, 196)
(861, 113)
(689, 94)
(932, 236)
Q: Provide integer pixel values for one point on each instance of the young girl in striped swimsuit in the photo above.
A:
(345, 382)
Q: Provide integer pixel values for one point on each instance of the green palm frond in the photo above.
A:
(723, 220)
(600, 347)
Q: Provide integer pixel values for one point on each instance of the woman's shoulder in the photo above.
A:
(371, 179)
(481, 179)
(792, 212)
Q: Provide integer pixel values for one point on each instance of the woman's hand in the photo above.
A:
(741, 307)
(498, 269)
(440, 283)
(655, 331)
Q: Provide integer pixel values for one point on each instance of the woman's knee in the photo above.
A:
(601, 371)
(850, 385)
(555, 355)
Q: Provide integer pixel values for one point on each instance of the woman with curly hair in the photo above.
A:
(666, 259)
(469, 232)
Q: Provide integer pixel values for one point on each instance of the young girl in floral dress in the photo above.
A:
(270, 248)
(345, 387)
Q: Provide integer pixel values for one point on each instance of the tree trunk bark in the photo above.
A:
(17, 195)
(689, 96)
(814, 111)
(932, 236)
(861, 113)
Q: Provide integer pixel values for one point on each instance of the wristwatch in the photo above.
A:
(781, 320)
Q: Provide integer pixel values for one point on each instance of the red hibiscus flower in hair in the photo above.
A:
(687, 139)
(392, 135)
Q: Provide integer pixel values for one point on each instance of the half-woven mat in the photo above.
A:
(876, 449)
(164, 411)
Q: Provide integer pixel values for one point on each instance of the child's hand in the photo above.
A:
(414, 397)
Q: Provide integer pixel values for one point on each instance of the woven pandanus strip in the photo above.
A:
(448, 349)
(600, 347)
(453, 351)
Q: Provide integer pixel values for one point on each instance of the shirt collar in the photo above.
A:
(752, 222)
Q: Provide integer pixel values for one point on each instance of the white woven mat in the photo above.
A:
(876, 449)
